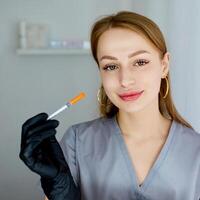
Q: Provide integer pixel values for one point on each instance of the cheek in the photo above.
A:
(109, 82)
(154, 82)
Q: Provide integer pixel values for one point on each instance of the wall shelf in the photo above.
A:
(53, 51)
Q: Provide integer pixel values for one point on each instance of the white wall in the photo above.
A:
(33, 84)
(184, 42)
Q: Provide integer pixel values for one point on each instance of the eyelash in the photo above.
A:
(106, 68)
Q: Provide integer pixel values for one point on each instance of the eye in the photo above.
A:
(109, 67)
(141, 62)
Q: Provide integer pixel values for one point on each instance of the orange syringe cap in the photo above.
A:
(77, 98)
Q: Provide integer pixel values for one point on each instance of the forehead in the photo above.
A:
(120, 40)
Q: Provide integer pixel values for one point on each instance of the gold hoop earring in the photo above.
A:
(167, 90)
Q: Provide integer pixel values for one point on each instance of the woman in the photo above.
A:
(140, 147)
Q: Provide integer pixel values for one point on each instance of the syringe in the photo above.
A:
(68, 104)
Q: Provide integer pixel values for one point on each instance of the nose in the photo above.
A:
(126, 78)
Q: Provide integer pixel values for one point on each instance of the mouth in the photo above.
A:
(131, 96)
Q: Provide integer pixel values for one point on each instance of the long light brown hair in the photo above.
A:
(147, 28)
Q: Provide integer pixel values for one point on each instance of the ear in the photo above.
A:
(165, 64)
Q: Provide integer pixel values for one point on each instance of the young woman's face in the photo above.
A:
(129, 63)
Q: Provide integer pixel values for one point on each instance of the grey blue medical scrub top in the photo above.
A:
(100, 163)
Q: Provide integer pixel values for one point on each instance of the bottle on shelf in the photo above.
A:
(22, 35)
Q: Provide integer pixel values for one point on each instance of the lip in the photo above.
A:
(131, 96)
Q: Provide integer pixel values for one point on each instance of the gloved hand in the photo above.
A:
(41, 152)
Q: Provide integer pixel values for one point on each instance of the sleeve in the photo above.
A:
(68, 146)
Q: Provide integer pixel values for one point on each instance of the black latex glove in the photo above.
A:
(41, 152)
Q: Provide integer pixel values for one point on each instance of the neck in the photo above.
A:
(146, 124)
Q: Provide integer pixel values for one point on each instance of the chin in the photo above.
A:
(129, 108)
(131, 111)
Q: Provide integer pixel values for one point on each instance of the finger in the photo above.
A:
(42, 166)
(50, 124)
(26, 153)
(41, 136)
(34, 121)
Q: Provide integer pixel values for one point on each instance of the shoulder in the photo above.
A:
(90, 135)
(187, 132)
(93, 127)
(97, 126)
(90, 124)
(188, 136)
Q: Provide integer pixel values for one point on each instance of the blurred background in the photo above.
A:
(60, 66)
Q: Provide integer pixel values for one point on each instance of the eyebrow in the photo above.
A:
(130, 55)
